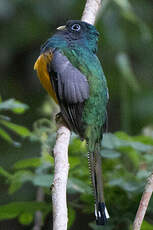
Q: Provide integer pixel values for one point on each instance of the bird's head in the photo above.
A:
(74, 33)
(79, 32)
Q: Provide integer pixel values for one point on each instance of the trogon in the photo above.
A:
(70, 71)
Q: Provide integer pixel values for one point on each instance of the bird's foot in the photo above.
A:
(60, 120)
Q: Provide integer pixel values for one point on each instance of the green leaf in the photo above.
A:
(148, 140)
(127, 186)
(110, 153)
(131, 157)
(111, 141)
(71, 215)
(6, 136)
(5, 117)
(74, 161)
(43, 180)
(18, 178)
(4, 173)
(146, 226)
(145, 141)
(20, 130)
(143, 174)
(6, 213)
(13, 105)
(25, 218)
(78, 186)
(148, 158)
(14, 187)
(124, 136)
(138, 146)
(31, 162)
(15, 209)
(77, 146)
(125, 5)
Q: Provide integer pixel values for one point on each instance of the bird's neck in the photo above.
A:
(58, 42)
(83, 44)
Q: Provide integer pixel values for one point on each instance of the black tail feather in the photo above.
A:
(96, 176)
(101, 214)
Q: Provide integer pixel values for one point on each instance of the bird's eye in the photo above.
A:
(76, 27)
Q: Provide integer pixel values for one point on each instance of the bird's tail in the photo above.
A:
(95, 166)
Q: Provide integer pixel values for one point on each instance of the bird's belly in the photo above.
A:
(41, 68)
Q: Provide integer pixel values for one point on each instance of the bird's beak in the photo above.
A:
(61, 28)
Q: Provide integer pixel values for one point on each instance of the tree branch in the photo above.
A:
(60, 179)
(143, 203)
(61, 166)
(91, 10)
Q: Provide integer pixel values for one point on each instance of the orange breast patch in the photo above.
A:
(42, 72)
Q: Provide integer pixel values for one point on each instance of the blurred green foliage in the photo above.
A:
(129, 158)
(126, 53)
(5, 123)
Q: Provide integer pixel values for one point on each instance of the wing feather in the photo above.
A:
(72, 90)
(74, 85)
(66, 84)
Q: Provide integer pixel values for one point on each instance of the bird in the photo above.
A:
(70, 71)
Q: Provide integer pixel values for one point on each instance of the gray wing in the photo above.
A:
(71, 88)
(72, 84)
